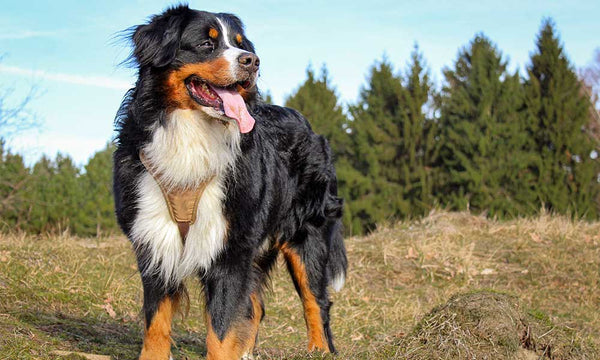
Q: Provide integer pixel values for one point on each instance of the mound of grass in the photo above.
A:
(84, 295)
(491, 325)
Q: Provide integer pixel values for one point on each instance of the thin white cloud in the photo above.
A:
(26, 34)
(98, 81)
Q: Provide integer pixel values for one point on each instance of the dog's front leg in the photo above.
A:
(234, 308)
(160, 304)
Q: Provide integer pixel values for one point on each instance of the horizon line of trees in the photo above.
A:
(488, 141)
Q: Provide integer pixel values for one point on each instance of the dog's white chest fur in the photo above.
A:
(188, 150)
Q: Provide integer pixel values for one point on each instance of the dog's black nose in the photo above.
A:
(249, 61)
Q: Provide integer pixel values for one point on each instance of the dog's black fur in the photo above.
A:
(283, 186)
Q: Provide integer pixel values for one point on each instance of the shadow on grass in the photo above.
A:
(118, 339)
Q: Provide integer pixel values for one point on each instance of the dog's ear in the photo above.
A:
(157, 42)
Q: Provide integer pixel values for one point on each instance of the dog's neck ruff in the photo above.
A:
(188, 153)
(182, 202)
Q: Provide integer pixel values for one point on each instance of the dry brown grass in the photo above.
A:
(485, 324)
(64, 293)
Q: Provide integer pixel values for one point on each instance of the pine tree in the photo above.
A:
(40, 199)
(377, 194)
(56, 197)
(97, 202)
(318, 101)
(483, 155)
(417, 149)
(557, 115)
(68, 194)
(14, 184)
(267, 97)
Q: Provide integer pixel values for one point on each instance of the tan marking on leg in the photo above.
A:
(239, 340)
(254, 322)
(312, 311)
(231, 347)
(157, 337)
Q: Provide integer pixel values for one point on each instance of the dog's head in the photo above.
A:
(204, 62)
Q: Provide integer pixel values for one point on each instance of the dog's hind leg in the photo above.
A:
(306, 258)
(160, 304)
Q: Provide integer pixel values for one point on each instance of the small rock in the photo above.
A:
(488, 271)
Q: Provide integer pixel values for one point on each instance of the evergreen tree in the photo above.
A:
(417, 149)
(557, 115)
(40, 199)
(14, 184)
(67, 193)
(53, 196)
(56, 197)
(483, 157)
(377, 194)
(97, 208)
(267, 97)
(395, 138)
(318, 101)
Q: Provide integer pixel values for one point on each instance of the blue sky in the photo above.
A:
(68, 50)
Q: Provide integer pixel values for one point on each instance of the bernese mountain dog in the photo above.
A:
(212, 182)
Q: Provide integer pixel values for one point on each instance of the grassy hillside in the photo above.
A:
(84, 295)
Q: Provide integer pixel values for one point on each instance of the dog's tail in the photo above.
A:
(337, 263)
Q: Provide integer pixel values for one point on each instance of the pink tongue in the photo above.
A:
(235, 108)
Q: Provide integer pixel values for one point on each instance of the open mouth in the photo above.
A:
(226, 100)
(210, 95)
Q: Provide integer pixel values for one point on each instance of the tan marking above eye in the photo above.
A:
(213, 33)
(238, 38)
